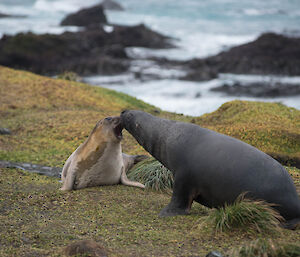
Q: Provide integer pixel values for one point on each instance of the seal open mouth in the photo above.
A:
(118, 131)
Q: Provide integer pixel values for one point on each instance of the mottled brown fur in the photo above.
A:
(99, 160)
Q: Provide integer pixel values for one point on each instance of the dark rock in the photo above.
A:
(214, 254)
(4, 15)
(33, 168)
(85, 17)
(199, 70)
(198, 95)
(269, 54)
(4, 131)
(259, 89)
(86, 248)
(112, 5)
(140, 36)
(115, 51)
(88, 52)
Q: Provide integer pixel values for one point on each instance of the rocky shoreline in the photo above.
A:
(91, 51)
(259, 89)
(100, 48)
(269, 54)
(97, 49)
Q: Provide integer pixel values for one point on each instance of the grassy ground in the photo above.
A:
(271, 127)
(50, 118)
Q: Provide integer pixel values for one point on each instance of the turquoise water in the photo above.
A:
(199, 27)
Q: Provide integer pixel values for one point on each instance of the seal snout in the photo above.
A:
(118, 127)
(127, 117)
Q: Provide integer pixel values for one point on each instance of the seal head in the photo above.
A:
(110, 128)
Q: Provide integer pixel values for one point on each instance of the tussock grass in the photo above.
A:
(255, 216)
(153, 175)
(69, 75)
(266, 248)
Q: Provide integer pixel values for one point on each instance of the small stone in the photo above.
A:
(214, 254)
(4, 131)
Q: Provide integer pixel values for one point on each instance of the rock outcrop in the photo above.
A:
(269, 54)
(86, 17)
(259, 89)
(87, 52)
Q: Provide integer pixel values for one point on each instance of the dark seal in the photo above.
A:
(211, 168)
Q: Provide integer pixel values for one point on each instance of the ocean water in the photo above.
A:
(199, 27)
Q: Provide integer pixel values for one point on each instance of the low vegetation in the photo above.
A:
(69, 75)
(244, 214)
(153, 175)
(50, 118)
(271, 127)
(266, 248)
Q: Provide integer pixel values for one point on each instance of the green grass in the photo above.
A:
(69, 75)
(50, 118)
(253, 216)
(271, 127)
(266, 248)
(153, 175)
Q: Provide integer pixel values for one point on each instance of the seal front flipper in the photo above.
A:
(125, 181)
(182, 199)
(69, 181)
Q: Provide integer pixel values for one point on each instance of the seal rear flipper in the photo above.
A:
(139, 158)
(291, 224)
(130, 160)
(125, 181)
(181, 201)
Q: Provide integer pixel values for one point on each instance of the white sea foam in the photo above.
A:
(13, 26)
(16, 10)
(103, 80)
(260, 12)
(190, 41)
(247, 79)
(65, 6)
(108, 29)
(194, 98)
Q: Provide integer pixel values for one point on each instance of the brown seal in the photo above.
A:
(99, 160)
